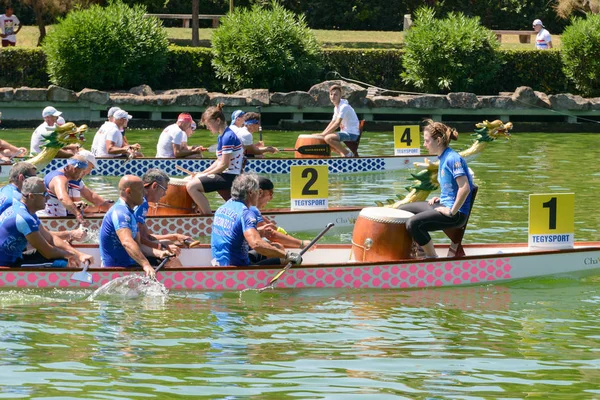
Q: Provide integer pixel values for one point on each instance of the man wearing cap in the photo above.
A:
(79, 191)
(236, 120)
(50, 115)
(20, 226)
(543, 40)
(101, 133)
(171, 139)
(109, 141)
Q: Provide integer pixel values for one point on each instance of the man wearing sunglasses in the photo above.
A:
(19, 226)
(156, 183)
(12, 192)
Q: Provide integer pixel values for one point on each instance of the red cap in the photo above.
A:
(183, 117)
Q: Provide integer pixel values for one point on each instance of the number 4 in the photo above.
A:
(405, 138)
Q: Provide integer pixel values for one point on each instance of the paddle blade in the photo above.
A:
(278, 275)
(83, 276)
(315, 149)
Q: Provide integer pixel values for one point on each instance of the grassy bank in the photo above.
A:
(29, 35)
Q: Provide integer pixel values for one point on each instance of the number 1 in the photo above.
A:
(551, 204)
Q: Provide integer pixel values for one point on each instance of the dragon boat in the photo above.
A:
(331, 266)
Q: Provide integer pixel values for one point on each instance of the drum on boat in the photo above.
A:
(176, 201)
(380, 235)
(309, 140)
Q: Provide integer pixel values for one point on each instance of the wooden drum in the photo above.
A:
(308, 140)
(176, 201)
(380, 235)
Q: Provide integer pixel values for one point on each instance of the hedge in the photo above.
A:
(191, 68)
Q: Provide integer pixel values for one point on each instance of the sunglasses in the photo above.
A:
(46, 194)
(159, 185)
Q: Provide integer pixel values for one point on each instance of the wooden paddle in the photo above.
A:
(304, 250)
(187, 171)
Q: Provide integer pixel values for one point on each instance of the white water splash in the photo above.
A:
(130, 286)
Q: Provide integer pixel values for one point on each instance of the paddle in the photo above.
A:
(304, 250)
(312, 149)
(259, 109)
(83, 276)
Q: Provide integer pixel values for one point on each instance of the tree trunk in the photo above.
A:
(38, 10)
(195, 24)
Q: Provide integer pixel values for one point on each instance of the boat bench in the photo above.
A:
(456, 234)
(353, 145)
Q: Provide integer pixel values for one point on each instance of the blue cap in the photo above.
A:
(236, 114)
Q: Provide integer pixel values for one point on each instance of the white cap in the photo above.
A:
(538, 22)
(112, 111)
(60, 121)
(122, 114)
(89, 157)
(50, 112)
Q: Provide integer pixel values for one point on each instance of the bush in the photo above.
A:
(453, 54)
(265, 48)
(106, 48)
(581, 54)
(23, 67)
(189, 67)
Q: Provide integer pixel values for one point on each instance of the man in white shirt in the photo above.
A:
(543, 40)
(109, 138)
(10, 26)
(252, 125)
(50, 115)
(345, 119)
(237, 120)
(171, 141)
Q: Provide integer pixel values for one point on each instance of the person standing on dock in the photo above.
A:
(543, 40)
(345, 119)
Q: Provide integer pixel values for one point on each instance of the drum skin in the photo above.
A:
(176, 201)
(306, 140)
(379, 237)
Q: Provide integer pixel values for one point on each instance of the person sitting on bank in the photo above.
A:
(19, 226)
(11, 193)
(234, 229)
(345, 119)
(251, 126)
(109, 142)
(120, 243)
(156, 183)
(170, 142)
(50, 115)
(451, 210)
(228, 165)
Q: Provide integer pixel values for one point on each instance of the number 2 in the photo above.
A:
(551, 204)
(306, 190)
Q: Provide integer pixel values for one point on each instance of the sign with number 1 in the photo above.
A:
(407, 140)
(551, 220)
(309, 187)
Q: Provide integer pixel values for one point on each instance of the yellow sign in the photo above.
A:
(552, 220)
(407, 140)
(309, 187)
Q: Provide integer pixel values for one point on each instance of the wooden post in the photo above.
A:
(195, 23)
(230, 6)
(407, 22)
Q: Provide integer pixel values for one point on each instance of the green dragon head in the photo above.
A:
(58, 137)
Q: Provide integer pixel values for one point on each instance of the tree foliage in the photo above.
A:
(106, 48)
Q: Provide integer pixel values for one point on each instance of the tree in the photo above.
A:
(564, 8)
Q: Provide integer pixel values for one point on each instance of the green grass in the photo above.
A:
(28, 37)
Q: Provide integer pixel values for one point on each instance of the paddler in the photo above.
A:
(234, 229)
(251, 126)
(156, 183)
(109, 140)
(171, 141)
(8, 151)
(20, 226)
(50, 115)
(120, 242)
(345, 119)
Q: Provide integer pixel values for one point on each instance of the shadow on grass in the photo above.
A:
(326, 45)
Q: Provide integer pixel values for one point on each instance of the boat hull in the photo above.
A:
(138, 166)
(196, 226)
(484, 264)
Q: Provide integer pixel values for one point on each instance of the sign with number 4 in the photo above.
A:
(407, 140)
(309, 187)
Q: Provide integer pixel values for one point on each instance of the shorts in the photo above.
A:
(347, 137)
(214, 182)
(8, 43)
(36, 260)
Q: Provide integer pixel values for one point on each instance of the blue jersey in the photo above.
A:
(112, 252)
(9, 194)
(452, 165)
(257, 214)
(15, 224)
(141, 212)
(227, 241)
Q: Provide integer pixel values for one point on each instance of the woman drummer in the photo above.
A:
(451, 209)
(228, 165)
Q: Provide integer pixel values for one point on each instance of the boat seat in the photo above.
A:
(353, 145)
(456, 234)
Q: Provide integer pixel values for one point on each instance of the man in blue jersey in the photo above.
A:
(120, 244)
(19, 225)
(155, 186)
(12, 192)
(234, 229)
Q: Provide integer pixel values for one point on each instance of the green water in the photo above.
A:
(536, 338)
